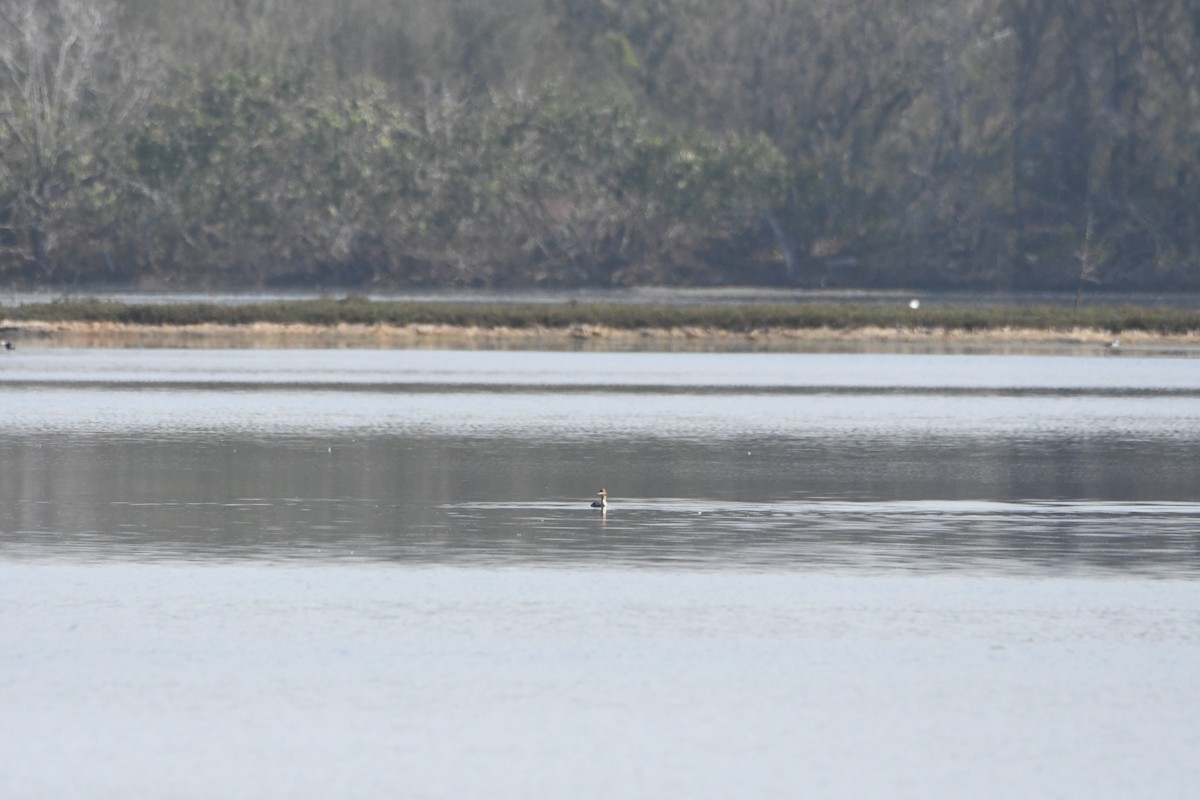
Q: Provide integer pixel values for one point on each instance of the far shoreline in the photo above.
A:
(272, 335)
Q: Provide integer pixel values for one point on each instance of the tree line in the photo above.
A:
(1018, 144)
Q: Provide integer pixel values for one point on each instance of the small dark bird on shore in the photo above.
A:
(8, 345)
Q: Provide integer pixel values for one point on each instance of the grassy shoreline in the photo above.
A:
(359, 322)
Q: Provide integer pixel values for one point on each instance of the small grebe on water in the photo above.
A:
(602, 503)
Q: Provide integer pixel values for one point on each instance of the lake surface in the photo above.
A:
(246, 573)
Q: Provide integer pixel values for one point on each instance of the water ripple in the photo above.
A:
(824, 534)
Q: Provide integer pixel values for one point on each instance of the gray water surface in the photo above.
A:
(376, 574)
(711, 460)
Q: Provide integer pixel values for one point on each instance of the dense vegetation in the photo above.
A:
(1005, 143)
(739, 318)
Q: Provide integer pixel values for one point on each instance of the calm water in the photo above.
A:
(375, 574)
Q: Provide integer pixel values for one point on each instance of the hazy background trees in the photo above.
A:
(69, 86)
(1001, 143)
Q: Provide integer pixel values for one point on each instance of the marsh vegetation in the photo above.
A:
(734, 318)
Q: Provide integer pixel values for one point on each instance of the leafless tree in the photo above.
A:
(67, 87)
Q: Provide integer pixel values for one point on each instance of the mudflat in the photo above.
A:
(353, 335)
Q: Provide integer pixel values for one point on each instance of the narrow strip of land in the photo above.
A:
(363, 323)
